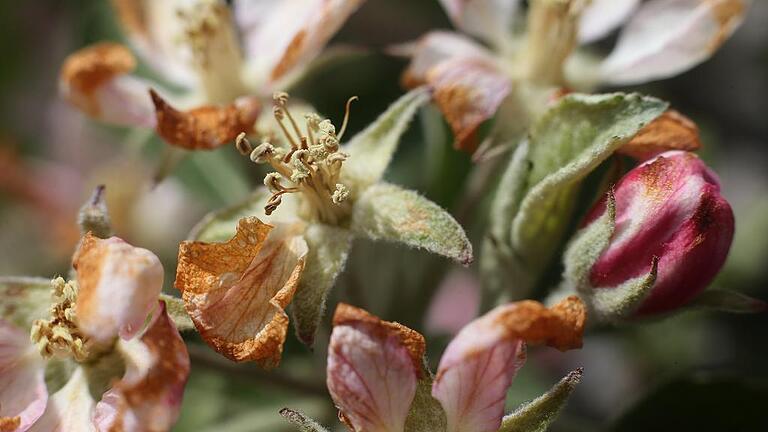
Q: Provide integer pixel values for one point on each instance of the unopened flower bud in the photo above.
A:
(671, 235)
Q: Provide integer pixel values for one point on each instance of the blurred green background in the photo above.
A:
(695, 371)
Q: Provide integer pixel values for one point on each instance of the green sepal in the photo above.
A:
(221, 225)
(426, 413)
(176, 310)
(302, 421)
(567, 143)
(24, 299)
(538, 414)
(371, 150)
(728, 301)
(328, 252)
(389, 212)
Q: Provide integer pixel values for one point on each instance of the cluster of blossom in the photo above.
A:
(654, 239)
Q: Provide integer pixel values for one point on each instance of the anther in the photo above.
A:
(262, 153)
(242, 144)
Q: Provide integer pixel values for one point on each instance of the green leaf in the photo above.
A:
(728, 301)
(175, 308)
(371, 150)
(569, 141)
(617, 303)
(304, 423)
(586, 247)
(426, 413)
(24, 299)
(328, 251)
(538, 414)
(389, 212)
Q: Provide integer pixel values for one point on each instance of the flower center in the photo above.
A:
(209, 34)
(551, 37)
(59, 336)
(309, 163)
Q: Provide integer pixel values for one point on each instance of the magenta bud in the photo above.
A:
(669, 208)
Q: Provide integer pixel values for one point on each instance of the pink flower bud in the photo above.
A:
(669, 207)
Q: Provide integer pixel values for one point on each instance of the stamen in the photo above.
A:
(59, 336)
(346, 117)
(243, 145)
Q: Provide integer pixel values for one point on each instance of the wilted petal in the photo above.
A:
(468, 92)
(488, 19)
(281, 37)
(667, 37)
(153, 29)
(236, 291)
(480, 362)
(118, 287)
(603, 16)
(148, 397)
(70, 408)
(670, 131)
(23, 394)
(95, 80)
(373, 368)
(434, 48)
(205, 127)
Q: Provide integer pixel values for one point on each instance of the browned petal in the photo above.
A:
(86, 70)
(411, 339)
(670, 131)
(561, 326)
(9, 424)
(728, 14)
(468, 91)
(236, 291)
(131, 15)
(205, 127)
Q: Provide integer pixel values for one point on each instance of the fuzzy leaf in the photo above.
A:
(221, 225)
(24, 299)
(392, 213)
(300, 420)
(566, 144)
(176, 310)
(426, 413)
(371, 150)
(728, 301)
(538, 414)
(587, 246)
(616, 303)
(328, 251)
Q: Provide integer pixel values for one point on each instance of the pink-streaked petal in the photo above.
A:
(282, 37)
(668, 37)
(373, 368)
(23, 395)
(434, 48)
(487, 19)
(149, 395)
(455, 304)
(480, 362)
(468, 91)
(671, 208)
(96, 80)
(69, 409)
(603, 16)
(153, 29)
(236, 291)
(118, 287)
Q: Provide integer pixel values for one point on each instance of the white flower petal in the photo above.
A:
(603, 16)
(23, 394)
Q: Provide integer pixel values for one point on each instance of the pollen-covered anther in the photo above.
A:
(59, 336)
(340, 194)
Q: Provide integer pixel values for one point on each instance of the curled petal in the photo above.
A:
(480, 362)
(670, 131)
(235, 292)
(433, 49)
(148, 397)
(603, 16)
(373, 369)
(488, 19)
(69, 409)
(667, 37)
(205, 127)
(281, 37)
(23, 394)
(153, 29)
(95, 80)
(118, 287)
(468, 92)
